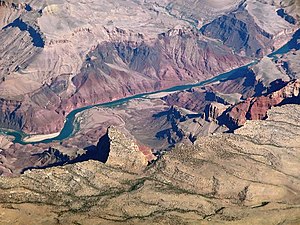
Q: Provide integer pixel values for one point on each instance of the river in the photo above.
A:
(68, 128)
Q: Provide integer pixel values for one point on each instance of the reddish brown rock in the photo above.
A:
(10, 116)
(256, 108)
(120, 68)
(123, 68)
(241, 81)
(147, 151)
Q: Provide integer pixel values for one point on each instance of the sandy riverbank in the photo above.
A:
(160, 94)
(40, 137)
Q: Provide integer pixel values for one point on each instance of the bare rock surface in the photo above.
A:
(158, 160)
(124, 152)
(256, 108)
(53, 51)
(250, 177)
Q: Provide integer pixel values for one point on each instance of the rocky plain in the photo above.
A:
(226, 151)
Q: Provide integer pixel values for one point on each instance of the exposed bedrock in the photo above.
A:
(10, 115)
(117, 148)
(251, 177)
(239, 31)
(117, 60)
(123, 68)
(123, 152)
(256, 108)
(182, 125)
(34, 114)
(240, 85)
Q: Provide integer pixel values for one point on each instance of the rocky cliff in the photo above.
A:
(10, 117)
(240, 32)
(97, 58)
(122, 151)
(126, 68)
(256, 108)
(250, 177)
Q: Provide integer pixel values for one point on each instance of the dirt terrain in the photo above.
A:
(249, 177)
(224, 152)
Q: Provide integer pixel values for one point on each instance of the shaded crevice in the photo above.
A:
(98, 153)
(285, 16)
(37, 38)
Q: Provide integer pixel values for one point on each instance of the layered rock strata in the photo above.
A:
(251, 176)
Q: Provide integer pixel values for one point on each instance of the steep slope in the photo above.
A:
(129, 67)
(71, 54)
(256, 108)
(239, 31)
(250, 177)
(239, 85)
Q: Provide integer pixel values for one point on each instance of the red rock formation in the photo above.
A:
(198, 99)
(256, 108)
(123, 68)
(31, 118)
(239, 31)
(146, 151)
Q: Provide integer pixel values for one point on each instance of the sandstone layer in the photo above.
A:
(250, 177)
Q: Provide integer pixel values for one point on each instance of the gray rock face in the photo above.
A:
(239, 31)
(10, 115)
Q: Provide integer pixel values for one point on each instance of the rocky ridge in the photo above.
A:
(219, 180)
(256, 108)
(150, 49)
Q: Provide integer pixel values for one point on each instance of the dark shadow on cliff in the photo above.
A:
(35, 34)
(292, 100)
(98, 153)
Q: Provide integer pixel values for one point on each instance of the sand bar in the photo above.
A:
(160, 94)
(40, 137)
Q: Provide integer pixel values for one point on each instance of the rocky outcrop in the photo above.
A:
(256, 108)
(251, 177)
(10, 115)
(182, 125)
(105, 50)
(48, 158)
(121, 151)
(214, 110)
(123, 68)
(33, 114)
(195, 99)
(239, 31)
(13, 4)
(240, 84)
(173, 133)
(118, 69)
(118, 57)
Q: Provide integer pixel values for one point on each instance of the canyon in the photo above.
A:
(118, 60)
(147, 112)
(240, 178)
